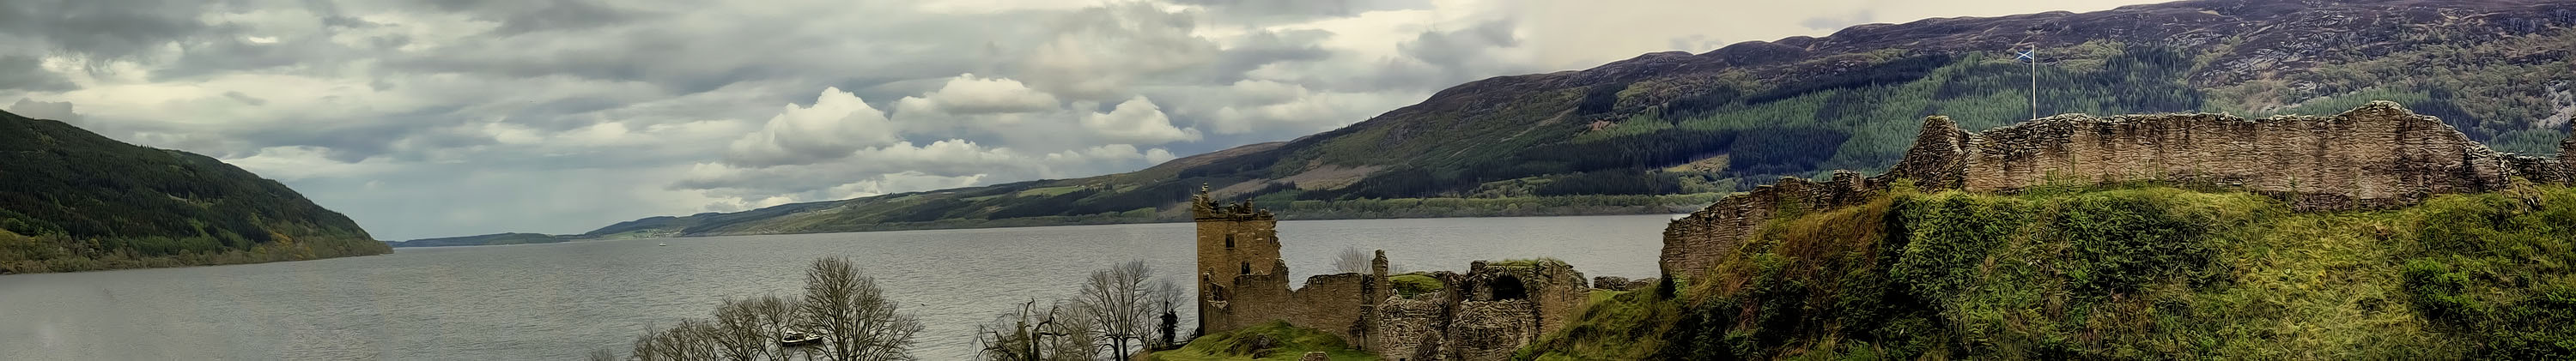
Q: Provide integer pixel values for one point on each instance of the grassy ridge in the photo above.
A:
(1272, 341)
(71, 200)
(57, 253)
(2126, 273)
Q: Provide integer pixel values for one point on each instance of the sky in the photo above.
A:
(435, 118)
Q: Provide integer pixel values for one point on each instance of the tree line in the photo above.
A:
(1119, 312)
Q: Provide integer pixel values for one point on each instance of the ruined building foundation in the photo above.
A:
(1485, 314)
(2379, 155)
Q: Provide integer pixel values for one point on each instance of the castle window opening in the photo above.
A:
(1247, 268)
(1229, 241)
(1507, 288)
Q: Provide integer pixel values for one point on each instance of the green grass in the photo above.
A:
(1293, 343)
(2135, 272)
(1048, 191)
(1614, 325)
(1414, 284)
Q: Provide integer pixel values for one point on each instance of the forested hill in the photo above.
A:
(1744, 114)
(72, 200)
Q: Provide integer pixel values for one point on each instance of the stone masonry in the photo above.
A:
(1484, 314)
(2378, 155)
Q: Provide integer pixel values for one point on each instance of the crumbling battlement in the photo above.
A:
(2378, 155)
(1484, 314)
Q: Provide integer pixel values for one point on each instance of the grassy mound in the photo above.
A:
(1272, 341)
(2119, 274)
(1410, 285)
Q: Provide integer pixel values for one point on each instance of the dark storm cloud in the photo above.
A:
(27, 73)
(105, 29)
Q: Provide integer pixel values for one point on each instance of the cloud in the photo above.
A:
(1259, 107)
(31, 108)
(245, 98)
(28, 73)
(1837, 21)
(1137, 121)
(837, 124)
(105, 30)
(300, 163)
(967, 94)
(562, 115)
(1098, 52)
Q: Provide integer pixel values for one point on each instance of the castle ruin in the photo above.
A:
(2376, 156)
(1484, 314)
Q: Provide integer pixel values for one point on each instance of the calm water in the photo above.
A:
(559, 301)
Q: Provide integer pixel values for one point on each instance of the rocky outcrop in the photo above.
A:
(2378, 155)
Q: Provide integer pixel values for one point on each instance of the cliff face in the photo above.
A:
(2378, 155)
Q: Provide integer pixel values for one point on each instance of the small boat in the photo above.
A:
(663, 245)
(798, 338)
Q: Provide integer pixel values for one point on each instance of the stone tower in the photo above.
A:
(1233, 241)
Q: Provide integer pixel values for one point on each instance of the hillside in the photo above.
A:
(78, 201)
(2119, 272)
(495, 239)
(1725, 120)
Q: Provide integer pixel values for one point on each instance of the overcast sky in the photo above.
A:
(458, 117)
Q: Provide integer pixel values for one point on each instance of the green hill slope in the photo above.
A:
(494, 239)
(1677, 123)
(2129, 273)
(71, 200)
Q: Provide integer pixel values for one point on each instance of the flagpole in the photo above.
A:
(2034, 80)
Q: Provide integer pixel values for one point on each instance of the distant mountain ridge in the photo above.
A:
(495, 239)
(1724, 120)
(72, 200)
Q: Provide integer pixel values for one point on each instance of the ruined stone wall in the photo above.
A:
(1491, 330)
(1696, 241)
(2374, 156)
(1331, 303)
(1409, 329)
(1257, 299)
(2567, 155)
(2378, 155)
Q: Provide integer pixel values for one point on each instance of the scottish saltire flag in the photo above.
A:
(2025, 56)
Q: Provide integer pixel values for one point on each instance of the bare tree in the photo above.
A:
(1030, 334)
(1081, 336)
(1352, 260)
(855, 319)
(749, 328)
(603, 355)
(1124, 308)
(692, 339)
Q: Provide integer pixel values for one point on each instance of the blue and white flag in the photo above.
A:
(2025, 56)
